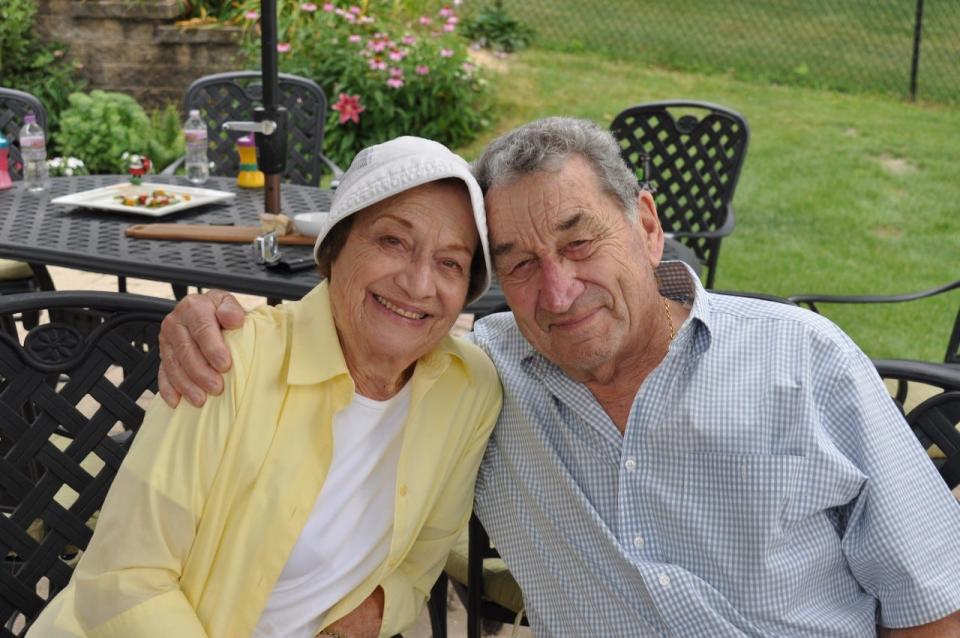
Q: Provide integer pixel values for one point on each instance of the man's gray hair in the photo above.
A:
(543, 145)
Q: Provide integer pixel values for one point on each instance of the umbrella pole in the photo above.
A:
(272, 148)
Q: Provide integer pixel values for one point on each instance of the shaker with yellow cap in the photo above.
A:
(249, 176)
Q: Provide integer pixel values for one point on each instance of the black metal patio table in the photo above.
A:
(34, 230)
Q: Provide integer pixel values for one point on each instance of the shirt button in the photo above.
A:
(664, 580)
(631, 464)
(638, 542)
(403, 490)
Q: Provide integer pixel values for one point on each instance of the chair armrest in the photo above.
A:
(173, 166)
(812, 299)
(334, 169)
(728, 225)
(941, 375)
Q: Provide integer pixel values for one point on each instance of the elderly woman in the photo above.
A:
(320, 493)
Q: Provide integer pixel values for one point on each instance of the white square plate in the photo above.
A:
(104, 198)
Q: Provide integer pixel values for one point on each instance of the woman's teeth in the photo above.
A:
(400, 311)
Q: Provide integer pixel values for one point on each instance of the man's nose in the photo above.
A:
(559, 286)
(417, 279)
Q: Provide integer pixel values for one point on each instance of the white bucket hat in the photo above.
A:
(383, 170)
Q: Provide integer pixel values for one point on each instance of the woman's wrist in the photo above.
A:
(329, 632)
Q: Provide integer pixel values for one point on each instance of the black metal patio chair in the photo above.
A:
(688, 155)
(18, 276)
(70, 403)
(232, 96)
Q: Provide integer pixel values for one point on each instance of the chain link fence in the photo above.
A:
(907, 48)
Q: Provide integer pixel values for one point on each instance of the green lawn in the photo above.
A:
(839, 194)
(850, 45)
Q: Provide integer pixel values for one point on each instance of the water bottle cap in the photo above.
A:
(194, 112)
(29, 118)
(3, 141)
(246, 140)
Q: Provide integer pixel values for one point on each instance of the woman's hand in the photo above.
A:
(362, 622)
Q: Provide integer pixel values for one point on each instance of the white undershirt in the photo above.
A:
(347, 535)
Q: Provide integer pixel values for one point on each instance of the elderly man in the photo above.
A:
(670, 462)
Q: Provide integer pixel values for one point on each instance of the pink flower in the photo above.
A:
(349, 108)
(328, 7)
(425, 20)
(354, 38)
(377, 45)
(355, 10)
(365, 20)
(394, 83)
(283, 47)
(422, 69)
(376, 64)
(446, 12)
(469, 68)
(446, 53)
(251, 15)
(449, 27)
(397, 55)
(396, 72)
(457, 3)
(309, 7)
(453, 20)
(408, 40)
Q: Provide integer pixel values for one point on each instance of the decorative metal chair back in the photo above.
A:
(689, 154)
(936, 419)
(232, 96)
(14, 105)
(70, 400)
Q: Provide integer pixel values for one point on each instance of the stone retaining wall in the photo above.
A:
(132, 46)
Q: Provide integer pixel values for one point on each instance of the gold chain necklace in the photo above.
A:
(666, 310)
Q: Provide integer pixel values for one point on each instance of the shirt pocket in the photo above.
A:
(733, 522)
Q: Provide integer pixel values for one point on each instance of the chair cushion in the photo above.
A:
(498, 583)
(10, 269)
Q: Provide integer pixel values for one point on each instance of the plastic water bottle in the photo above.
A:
(195, 133)
(33, 148)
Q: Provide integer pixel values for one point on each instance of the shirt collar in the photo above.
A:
(679, 282)
(316, 356)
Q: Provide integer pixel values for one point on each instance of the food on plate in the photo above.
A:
(155, 199)
(280, 223)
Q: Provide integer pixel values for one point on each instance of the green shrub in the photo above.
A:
(493, 28)
(30, 65)
(98, 127)
(409, 77)
(165, 141)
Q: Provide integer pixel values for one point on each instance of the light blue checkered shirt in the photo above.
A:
(766, 486)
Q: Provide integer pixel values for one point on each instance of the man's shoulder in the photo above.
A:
(498, 333)
(785, 321)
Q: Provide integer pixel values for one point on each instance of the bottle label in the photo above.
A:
(195, 136)
(32, 142)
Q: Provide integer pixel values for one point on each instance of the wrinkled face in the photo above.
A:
(401, 278)
(576, 272)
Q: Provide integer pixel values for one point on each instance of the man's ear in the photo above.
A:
(648, 227)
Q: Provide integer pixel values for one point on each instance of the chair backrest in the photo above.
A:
(232, 96)
(14, 105)
(693, 152)
(71, 396)
(935, 419)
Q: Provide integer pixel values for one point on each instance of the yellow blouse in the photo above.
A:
(210, 501)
